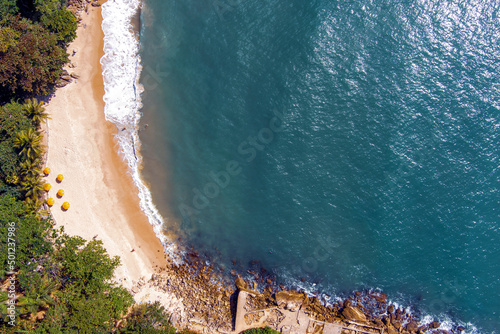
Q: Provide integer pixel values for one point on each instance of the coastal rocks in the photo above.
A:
(290, 300)
(412, 327)
(65, 79)
(354, 314)
(434, 324)
(74, 75)
(379, 297)
(240, 283)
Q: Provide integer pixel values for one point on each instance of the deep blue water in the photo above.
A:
(354, 144)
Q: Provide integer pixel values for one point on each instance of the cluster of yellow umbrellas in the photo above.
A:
(60, 193)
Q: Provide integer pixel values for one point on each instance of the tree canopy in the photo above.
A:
(32, 60)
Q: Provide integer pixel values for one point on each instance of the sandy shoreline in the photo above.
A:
(104, 199)
(96, 182)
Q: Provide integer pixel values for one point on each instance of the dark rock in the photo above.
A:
(391, 330)
(460, 328)
(412, 327)
(61, 84)
(353, 314)
(434, 324)
(66, 78)
(397, 324)
(390, 309)
(379, 297)
(74, 75)
(240, 283)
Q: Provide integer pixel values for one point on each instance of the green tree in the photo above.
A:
(31, 234)
(87, 264)
(12, 121)
(35, 110)
(33, 187)
(62, 22)
(8, 7)
(33, 63)
(38, 297)
(265, 330)
(29, 142)
(8, 38)
(30, 168)
(148, 319)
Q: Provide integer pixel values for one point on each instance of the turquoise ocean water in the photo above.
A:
(354, 144)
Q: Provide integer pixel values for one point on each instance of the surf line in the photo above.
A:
(248, 149)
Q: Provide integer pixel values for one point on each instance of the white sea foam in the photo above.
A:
(121, 66)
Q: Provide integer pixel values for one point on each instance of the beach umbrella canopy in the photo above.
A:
(60, 193)
(65, 205)
(46, 170)
(50, 201)
(47, 186)
(59, 177)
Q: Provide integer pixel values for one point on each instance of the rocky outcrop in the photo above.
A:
(240, 283)
(434, 324)
(290, 300)
(354, 314)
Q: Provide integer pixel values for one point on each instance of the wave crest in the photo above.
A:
(121, 65)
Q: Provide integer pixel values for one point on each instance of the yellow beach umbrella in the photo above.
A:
(60, 193)
(47, 186)
(50, 201)
(59, 177)
(65, 206)
(46, 170)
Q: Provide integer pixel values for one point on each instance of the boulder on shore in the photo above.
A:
(354, 314)
(290, 300)
(240, 283)
(434, 324)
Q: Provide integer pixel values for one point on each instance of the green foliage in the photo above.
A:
(33, 63)
(148, 319)
(48, 6)
(30, 168)
(61, 22)
(31, 234)
(8, 7)
(35, 110)
(12, 121)
(265, 330)
(88, 303)
(86, 265)
(95, 313)
(29, 143)
(8, 38)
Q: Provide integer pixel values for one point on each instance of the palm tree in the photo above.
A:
(38, 297)
(35, 110)
(33, 187)
(4, 312)
(30, 143)
(34, 206)
(30, 168)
